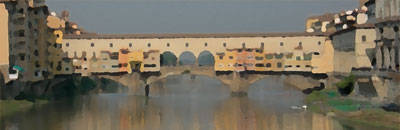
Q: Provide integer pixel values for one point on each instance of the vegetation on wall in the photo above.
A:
(346, 86)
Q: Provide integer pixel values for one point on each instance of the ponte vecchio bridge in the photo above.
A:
(156, 56)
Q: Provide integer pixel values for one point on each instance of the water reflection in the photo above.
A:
(181, 103)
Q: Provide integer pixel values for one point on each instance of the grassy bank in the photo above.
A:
(8, 107)
(351, 111)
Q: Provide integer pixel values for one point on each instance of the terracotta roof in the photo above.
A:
(324, 17)
(391, 18)
(352, 28)
(189, 35)
(367, 25)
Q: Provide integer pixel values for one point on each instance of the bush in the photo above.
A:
(346, 86)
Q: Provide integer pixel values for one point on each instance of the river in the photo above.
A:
(181, 103)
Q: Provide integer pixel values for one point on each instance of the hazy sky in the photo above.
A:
(195, 16)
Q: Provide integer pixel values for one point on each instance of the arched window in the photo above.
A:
(148, 44)
(281, 43)
(67, 44)
(92, 44)
(262, 43)
(167, 44)
(224, 44)
(186, 44)
(130, 44)
(111, 44)
(243, 45)
(319, 42)
(300, 43)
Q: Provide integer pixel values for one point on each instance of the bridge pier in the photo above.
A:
(237, 85)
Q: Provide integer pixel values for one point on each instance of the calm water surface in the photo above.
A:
(181, 103)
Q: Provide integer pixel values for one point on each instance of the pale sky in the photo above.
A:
(196, 16)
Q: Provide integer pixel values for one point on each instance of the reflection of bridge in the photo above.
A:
(234, 81)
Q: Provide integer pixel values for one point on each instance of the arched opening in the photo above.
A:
(168, 59)
(206, 59)
(187, 58)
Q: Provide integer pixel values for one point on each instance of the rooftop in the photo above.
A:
(189, 35)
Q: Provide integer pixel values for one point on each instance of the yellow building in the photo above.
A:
(225, 61)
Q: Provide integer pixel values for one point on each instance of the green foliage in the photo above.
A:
(346, 81)
(346, 104)
(316, 96)
(8, 107)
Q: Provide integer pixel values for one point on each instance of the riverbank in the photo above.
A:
(347, 110)
(8, 107)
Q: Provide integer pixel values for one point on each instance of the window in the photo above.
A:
(66, 69)
(186, 44)
(308, 66)
(85, 59)
(148, 44)
(21, 56)
(298, 58)
(395, 28)
(279, 65)
(288, 66)
(243, 45)
(300, 43)
(221, 57)
(114, 66)
(298, 66)
(281, 43)
(262, 44)
(319, 42)
(268, 65)
(249, 65)
(279, 56)
(67, 44)
(230, 57)
(224, 44)
(111, 45)
(269, 56)
(150, 65)
(37, 65)
(92, 44)
(307, 56)
(259, 58)
(206, 44)
(168, 45)
(363, 38)
(36, 53)
(260, 65)
(316, 53)
(130, 44)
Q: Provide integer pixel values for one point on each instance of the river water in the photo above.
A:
(182, 103)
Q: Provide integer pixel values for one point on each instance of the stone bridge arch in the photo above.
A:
(168, 58)
(206, 58)
(187, 58)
